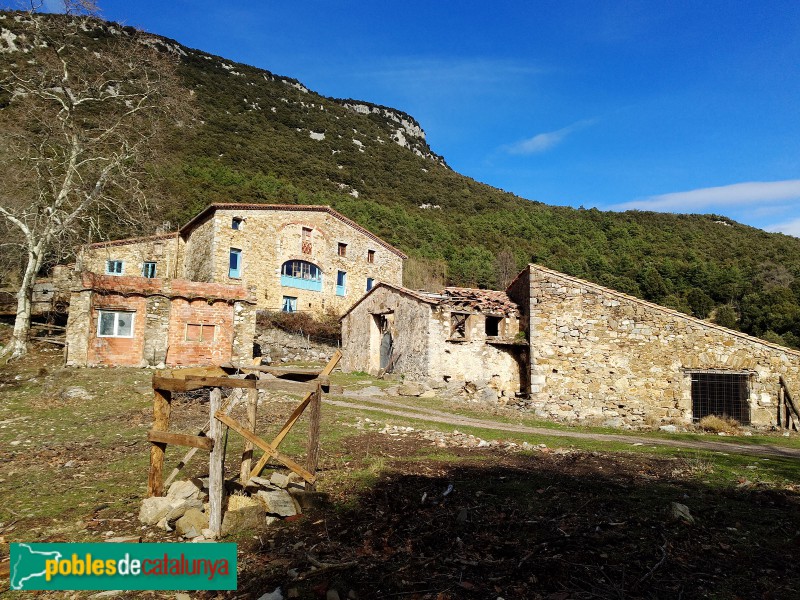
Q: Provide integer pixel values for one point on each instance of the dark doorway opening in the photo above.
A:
(493, 326)
(721, 394)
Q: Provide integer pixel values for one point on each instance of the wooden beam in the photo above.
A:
(249, 435)
(279, 371)
(262, 462)
(161, 409)
(181, 439)
(227, 406)
(216, 464)
(247, 455)
(312, 454)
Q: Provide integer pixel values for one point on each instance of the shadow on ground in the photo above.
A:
(578, 525)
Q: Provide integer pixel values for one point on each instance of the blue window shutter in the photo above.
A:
(235, 263)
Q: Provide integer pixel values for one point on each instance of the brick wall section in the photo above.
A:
(597, 353)
(163, 309)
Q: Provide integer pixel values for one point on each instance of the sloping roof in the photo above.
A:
(657, 307)
(211, 208)
(459, 299)
(483, 301)
(135, 240)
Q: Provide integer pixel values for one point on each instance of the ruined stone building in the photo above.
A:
(291, 257)
(583, 352)
(189, 297)
(459, 335)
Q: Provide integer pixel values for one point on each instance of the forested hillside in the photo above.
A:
(259, 137)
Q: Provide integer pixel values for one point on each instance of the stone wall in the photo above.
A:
(410, 322)
(424, 346)
(279, 346)
(600, 354)
(197, 252)
(134, 252)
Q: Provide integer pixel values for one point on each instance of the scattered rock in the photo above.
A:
(277, 502)
(136, 539)
(192, 523)
(247, 517)
(680, 512)
(411, 388)
(669, 428)
(332, 595)
(237, 502)
(428, 394)
(488, 395)
(279, 480)
(154, 509)
(183, 489)
(277, 594)
(308, 499)
(76, 393)
(182, 596)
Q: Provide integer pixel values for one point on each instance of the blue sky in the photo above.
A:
(680, 106)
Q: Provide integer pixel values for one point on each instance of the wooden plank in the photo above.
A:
(312, 454)
(249, 435)
(227, 406)
(262, 462)
(161, 409)
(298, 387)
(216, 463)
(247, 455)
(181, 439)
(278, 371)
(781, 408)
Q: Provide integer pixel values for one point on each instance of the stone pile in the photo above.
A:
(185, 507)
(278, 346)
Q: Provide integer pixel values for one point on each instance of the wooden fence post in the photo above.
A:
(312, 459)
(161, 408)
(247, 455)
(782, 412)
(216, 464)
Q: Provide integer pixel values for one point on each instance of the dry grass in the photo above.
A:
(716, 424)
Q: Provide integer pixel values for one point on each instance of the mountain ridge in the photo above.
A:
(266, 138)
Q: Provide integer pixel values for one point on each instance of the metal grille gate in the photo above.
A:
(721, 394)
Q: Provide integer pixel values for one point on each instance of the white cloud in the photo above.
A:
(726, 196)
(789, 227)
(544, 141)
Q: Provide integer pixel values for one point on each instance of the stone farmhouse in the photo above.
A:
(290, 257)
(190, 296)
(577, 350)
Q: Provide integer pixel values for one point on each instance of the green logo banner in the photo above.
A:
(123, 566)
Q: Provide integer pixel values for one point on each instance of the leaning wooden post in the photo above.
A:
(247, 455)
(161, 409)
(782, 412)
(216, 464)
(312, 459)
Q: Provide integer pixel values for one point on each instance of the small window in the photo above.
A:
(197, 332)
(237, 223)
(342, 249)
(114, 267)
(458, 326)
(370, 283)
(341, 283)
(115, 324)
(235, 264)
(370, 256)
(149, 270)
(493, 326)
(289, 304)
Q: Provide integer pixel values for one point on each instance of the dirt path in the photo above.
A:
(438, 416)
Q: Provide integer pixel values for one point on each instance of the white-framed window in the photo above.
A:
(114, 267)
(200, 332)
(289, 304)
(115, 323)
(149, 269)
(235, 263)
(341, 283)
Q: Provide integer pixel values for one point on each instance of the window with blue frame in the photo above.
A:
(235, 264)
(341, 283)
(301, 274)
(149, 269)
(289, 304)
(370, 283)
(114, 267)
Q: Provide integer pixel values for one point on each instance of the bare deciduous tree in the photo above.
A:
(505, 268)
(81, 103)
